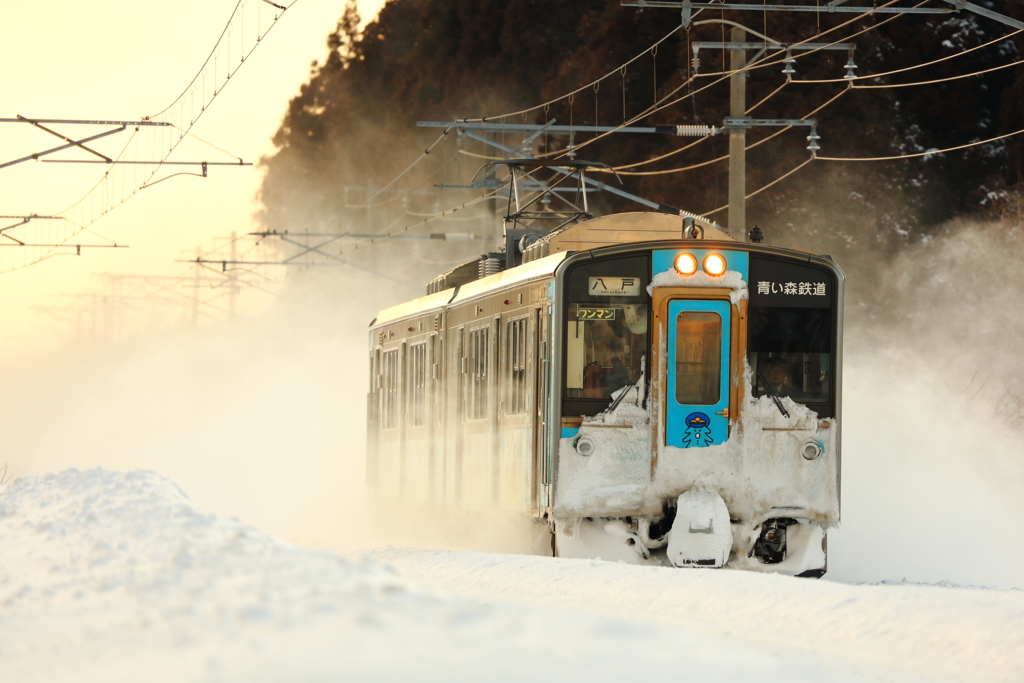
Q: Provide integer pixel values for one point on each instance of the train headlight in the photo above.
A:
(714, 264)
(811, 450)
(686, 264)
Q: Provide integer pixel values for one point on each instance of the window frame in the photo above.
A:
(516, 366)
(390, 385)
(417, 389)
(477, 355)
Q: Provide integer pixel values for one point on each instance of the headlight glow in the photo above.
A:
(714, 264)
(686, 264)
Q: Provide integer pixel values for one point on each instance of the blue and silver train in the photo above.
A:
(642, 387)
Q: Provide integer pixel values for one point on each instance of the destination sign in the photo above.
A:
(787, 284)
(614, 286)
(596, 313)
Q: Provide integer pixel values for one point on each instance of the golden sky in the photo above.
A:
(122, 60)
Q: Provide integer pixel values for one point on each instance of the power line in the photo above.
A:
(930, 152)
(757, 64)
(620, 171)
(609, 131)
(765, 187)
(915, 66)
(110, 192)
(938, 80)
(610, 74)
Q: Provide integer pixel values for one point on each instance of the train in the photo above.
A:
(641, 387)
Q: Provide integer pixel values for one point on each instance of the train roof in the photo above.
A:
(535, 270)
(541, 259)
(616, 228)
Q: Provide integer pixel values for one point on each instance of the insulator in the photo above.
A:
(813, 140)
(488, 265)
(696, 64)
(850, 66)
(789, 62)
(694, 131)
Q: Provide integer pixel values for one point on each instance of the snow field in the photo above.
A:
(111, 577)
(939, 631)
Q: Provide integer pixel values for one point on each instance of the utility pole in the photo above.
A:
(195, 291)
(233, 282)
(737, 221)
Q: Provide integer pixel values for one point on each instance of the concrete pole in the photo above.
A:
(195, 290)
(738, 141)
(233, 281)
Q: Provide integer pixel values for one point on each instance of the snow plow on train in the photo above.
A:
(642, 386)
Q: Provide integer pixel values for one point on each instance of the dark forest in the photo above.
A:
(354, 121)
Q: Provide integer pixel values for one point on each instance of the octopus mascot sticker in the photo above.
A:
(698, 431)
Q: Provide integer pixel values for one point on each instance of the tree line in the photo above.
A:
(353, 121)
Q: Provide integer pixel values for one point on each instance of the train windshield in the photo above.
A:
(790, 352)
(698, 358)
(605, 346)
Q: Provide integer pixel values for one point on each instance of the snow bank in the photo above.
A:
(117, 577)
(105, 575)
(940, 632)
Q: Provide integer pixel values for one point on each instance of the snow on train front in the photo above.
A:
(707, 435)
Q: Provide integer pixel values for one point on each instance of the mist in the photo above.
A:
(932, 456)
(263, 418)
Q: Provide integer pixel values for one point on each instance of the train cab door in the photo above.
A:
(696, 371)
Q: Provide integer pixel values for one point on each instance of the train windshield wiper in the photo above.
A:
(625, 390)
(768, 388)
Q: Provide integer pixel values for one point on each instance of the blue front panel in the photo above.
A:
(695, 425)
(664, 259)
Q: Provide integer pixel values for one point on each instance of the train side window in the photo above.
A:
(698, 358)
(605, 346)
(437, 373)
(476, 404)
(790, 352)
(515, 366)
(418, 385)
(389, 395)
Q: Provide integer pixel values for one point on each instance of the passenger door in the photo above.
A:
(697, 371)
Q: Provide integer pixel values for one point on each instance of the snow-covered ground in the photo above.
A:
(108, 576)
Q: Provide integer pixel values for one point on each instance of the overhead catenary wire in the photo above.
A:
(693, 144)
(930, 152)
(725, 74)
(443, 214)
(765, 187)
(582, 88)
(663, 104)
(660, 104)
(84, 211)
(208, 143)
(412, 226)
(914, 66)
(621, 170)
(937, 80)
(763, 63)
(398, 177)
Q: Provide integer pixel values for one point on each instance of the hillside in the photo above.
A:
(353, 122)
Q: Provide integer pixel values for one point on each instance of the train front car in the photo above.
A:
(699, 393)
